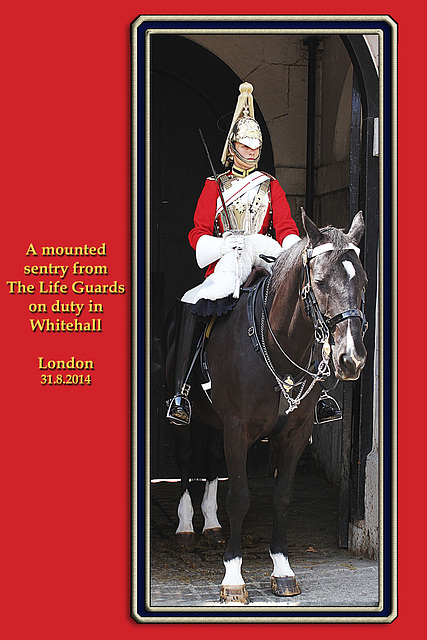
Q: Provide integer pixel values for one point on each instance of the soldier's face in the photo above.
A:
(245, 152)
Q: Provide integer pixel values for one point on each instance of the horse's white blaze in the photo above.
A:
(281, 566)
(349, 267)
(350, 348)
(185, 514)
(209, 505)
(233, 573)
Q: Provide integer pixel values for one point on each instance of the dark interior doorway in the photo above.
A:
(191, 89)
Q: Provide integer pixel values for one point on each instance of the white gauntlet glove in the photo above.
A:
(230, 242)
(290, 240)
(210, 249)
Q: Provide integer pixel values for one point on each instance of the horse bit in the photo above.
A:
(323, 328)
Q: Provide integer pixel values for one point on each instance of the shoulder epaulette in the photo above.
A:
(225, 179)
(221, 176)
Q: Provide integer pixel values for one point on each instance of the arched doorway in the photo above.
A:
(359, 416)
(191, 88)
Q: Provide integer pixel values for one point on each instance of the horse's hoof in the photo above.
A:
(232, 594)
(186, 540)
(214, 535)
(285, 586)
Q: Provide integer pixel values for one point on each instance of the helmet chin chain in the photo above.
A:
(250, 161)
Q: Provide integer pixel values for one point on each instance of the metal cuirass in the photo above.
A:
(246, 212)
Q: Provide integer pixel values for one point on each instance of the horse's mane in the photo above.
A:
(291, 258)
(286, 262)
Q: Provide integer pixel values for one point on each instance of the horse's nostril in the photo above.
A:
(347, 364)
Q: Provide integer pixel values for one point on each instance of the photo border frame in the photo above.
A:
(141, 30)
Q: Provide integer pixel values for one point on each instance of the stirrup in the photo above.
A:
(179, 410)
(327, 409)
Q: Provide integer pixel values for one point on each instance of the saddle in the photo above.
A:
(252, 285)
(255, 277)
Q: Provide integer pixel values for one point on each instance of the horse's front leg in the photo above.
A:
(290, 449)
(233, 588)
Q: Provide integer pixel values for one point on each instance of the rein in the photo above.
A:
(287, 384)
(323, 327)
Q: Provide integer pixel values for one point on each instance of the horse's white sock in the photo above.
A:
(233, 574)
(209, 505)
(185, 514)
(281, 566)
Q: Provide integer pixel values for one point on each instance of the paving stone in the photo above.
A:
(327, 575)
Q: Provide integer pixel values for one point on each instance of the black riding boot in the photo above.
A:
(188, 334)
(327, 409)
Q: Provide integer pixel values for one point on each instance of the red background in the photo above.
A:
(65, 460)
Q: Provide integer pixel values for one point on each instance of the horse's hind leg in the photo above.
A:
(185, 536)
(283, 581)
(212, 529)
(233, 588)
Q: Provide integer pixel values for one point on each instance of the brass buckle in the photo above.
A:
(326, 349)
(304, 291)
(288, 383)
(304, 257)
(185, 390)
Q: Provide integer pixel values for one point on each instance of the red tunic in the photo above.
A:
(204, 215)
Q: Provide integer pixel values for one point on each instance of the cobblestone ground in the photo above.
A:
(328, 576)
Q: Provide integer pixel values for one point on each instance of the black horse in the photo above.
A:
(266, 358)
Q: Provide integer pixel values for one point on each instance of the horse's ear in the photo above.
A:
(313, 233)
(357, 228)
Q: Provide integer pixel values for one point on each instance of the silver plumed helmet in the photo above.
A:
(244, 128)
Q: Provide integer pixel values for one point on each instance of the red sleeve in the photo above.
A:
(204, 215)
(282, 218)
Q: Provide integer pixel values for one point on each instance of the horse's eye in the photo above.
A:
(320, 284)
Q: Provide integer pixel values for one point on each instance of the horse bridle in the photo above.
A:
(323, 328)
(322, 324)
